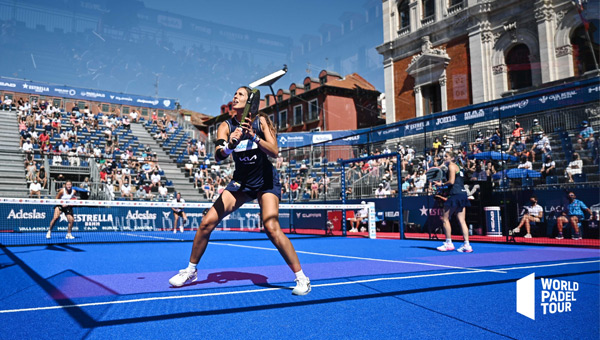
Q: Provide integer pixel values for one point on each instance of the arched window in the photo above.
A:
(583, 58)
(518, 64)
(403, 14)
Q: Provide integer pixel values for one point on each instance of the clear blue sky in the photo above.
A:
(199, 51)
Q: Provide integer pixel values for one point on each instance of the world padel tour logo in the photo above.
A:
(556, 296)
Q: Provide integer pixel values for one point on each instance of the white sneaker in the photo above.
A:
(181, 229)
(48, 234)
(465, 249)
(174, 230)
(353, 230)
(528, 236)
(183, 277)
(302, 286)
(69, 237)
(516, 230)
(447, 246)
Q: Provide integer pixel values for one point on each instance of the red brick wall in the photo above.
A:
(340, 113)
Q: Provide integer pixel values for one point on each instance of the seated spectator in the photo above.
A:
(155, 179)
(542, 146)
(201, 148)
(193, 163)
(294, 189)
(163, 192)
(126, 191)
(73, 158)
(479, 174)
(548, 168)
(525, 164)
(31, 171)
(517, 147)
(7, 103)
(209, 189)
(585, 138)
(380, 192)
(534, 214)
(495, 141)
(198, 176)
(358, 218)
(575, 167)
(42, 178)
(518, 133)
(536, 131)
(133, 115)
(573, 215)
(27, 146)
(35, 189)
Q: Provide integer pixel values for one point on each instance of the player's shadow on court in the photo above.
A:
(427, 248)
(228, 276)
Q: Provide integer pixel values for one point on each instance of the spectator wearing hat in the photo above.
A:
(536, 130)
(380, 192)
(585, 138)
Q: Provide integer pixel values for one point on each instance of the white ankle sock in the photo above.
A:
(191, 266)
(448, 240)
(300, 274)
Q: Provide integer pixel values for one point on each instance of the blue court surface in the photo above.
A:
(361, 289)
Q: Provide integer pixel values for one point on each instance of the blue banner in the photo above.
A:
(62, 91)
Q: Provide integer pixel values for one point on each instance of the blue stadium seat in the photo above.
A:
(579, 178)
(527, 182)
(552, 180)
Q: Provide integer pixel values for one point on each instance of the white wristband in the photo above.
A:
(227, 150)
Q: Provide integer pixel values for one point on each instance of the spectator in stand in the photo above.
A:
(201, 149)
(42, 178)
(198, 176)
(541, 146)
(133, 115)
(380, 192)
(324, 184)
(518, 133)
(7, 103)
(35, 189)
(314, 190)
(573, 215)
(154, 117)
(209, 189)
(358, 218)
(525, 164)
(479, 144)
(495, 141)
(548, 168)
(126, 191)
(27, 146)
(194, 162)
(536, 130)
(155, 179)
(126, 123)
(517, 147)
(31, 170)
(294, 188)
(279, 162)
(585, 138)
(534, 214)
(575, 167)
(163, 192)
(73, 158)
(480, 174)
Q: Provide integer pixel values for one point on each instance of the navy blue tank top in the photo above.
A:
(253, 169)
(459, 183)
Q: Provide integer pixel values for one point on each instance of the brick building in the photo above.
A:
(445, 54)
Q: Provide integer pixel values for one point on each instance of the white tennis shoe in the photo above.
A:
(184, 276)
(302, 286)
(48, 234)
(69, 237)
(447, 246)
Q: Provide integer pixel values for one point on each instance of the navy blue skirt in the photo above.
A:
(457, 201)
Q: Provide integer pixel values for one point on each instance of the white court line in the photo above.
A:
(32, 309)
(369, 259)
(154, 237)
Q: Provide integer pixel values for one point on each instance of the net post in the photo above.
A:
(372, 226)
(343, 198)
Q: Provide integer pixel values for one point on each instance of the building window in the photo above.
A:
(519, 67)
(455, 3)
(126, 110)
(104, 107)
(323, 80)
(81, 105)
(313, 110)
(428, 9)
(267, 100)
(187, 118)
(432, 98)
(145, 112)
(282, 119)
(404, 14)
(583, 58)
(307, 87)
(279, 98)
(56, 102)
(211, 131)
(293, 92)
(298, 115)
